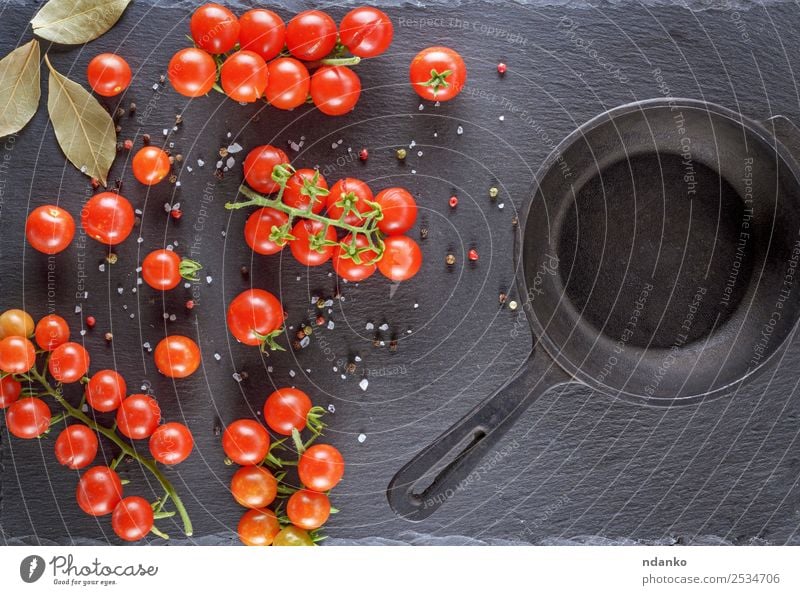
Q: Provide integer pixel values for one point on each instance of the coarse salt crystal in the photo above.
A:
(77, 309)
(370, 326)
(357, 358)
(217, 356)
(200, 163)
(234, 148)
(208, 279)
(305, 341)
(330, 325)
(460, 130)
(362, 438)
(230, 162)
(292, 373)
(237, 377)
(331, 408)
(384, 327)
(363, 384)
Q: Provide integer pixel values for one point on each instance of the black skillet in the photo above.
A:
(657, 265)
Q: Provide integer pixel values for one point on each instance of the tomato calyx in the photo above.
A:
(314, 420)
(268, 342)
(312, 189)
(438, 80)
(188, 269)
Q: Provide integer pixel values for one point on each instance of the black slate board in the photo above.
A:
(578, 466)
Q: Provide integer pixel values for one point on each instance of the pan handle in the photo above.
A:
(469, 440)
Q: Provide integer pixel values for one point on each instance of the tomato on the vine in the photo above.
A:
(214, 28)
(108, 74)
(349, 269)
(28, 417)
(254, 486)
(16, 323)
(245, 442)
(244, 76)
(49, 229)
(348, 188)
(163, 269)
(150, 165)
(108, 218)
(263, 32)
(401, 258)
(438, 73)
(366, 31)
(99, 491)
(399, 210)
(302, 190)
(17, 355)
(76, 446)
(311, 35)
(138, 416)
(292, 536)
(10, 390)
(105, 390)
(258, 229)
(307, 234)
(192, 72)
(253, 315)
(177, 356)
(258, 526)
(335, 90)
(258, 166)
(132, 518)
(288, 83)
(69, 362)
(287, 409)
(308, 509)
(321, 467)
(171, 443)
(51, 331)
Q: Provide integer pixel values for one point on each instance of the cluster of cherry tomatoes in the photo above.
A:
(372, 226)
(136, 417)
(259, 56)
(260, 482)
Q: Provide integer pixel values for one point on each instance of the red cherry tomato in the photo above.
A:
(28, 417)
(105, 391)
(177, 356)
(138, 416)
(214, 28)
(307, 235)
(245, 442)
(366, 31)
(161, 269)
(259, 228)
(99, 491)
(301, 187)
(344, 187)
(311, 35)
(308, 510)
(399, 210)
(108, 74)
(244, 76)
(17, 355)
(321, 467)
(69, 362)
(263, 32)
(254, 487)
(253, 314)
(401, 258)
(287, 409)
(76, 446)
(9, 391)
(51, 331)
(335, 90)
(171, 443)
(349, 269)
(150, 165)
(438, 73)
(49, 229)
(192, 72)
(258, 166)
(108, 218)
(288, 83)
(258, 526)
(132, 518)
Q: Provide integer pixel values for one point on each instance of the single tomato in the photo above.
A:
(49, 229)
(438, 73)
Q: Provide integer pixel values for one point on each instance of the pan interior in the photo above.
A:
(648, 221)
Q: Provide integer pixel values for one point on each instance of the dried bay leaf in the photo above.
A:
(20, 88)
(85, 131)
(77, 21)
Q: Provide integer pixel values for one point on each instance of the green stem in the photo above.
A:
(126, 448)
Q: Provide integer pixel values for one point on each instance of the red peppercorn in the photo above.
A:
(95, 183)
(453, 202)
(90, 321)
(189, 304)
(128, 144)
(320, 320)
(501, 68)
(473, 255)
(176, 213)
(363, 154)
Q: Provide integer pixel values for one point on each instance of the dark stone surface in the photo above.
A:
(578, 466)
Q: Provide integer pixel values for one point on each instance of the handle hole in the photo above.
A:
(420, 489)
